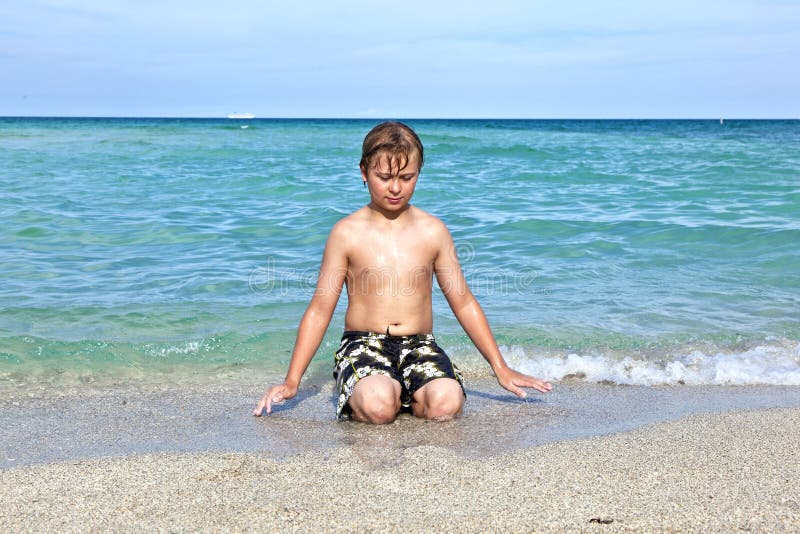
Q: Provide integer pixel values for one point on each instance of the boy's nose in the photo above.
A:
(394, 185)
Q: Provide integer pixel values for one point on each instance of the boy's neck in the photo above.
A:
(391, 216)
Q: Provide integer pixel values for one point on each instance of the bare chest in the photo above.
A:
(403, 258)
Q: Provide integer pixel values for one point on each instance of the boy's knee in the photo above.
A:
(376, 403)
(442, 401)
(376, 409)
(380, 412)
(444, 408)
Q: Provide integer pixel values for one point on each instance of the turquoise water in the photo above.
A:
(625, 251)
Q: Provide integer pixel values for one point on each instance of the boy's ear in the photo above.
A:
(363, 171)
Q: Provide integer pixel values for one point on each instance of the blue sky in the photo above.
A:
(498, 58)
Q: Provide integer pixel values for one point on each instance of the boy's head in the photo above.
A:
(394, 141)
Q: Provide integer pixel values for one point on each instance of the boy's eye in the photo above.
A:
(386, 178)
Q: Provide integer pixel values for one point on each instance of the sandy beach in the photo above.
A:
(703, 472)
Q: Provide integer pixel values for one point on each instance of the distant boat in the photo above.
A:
(721, 121)
(241, 116)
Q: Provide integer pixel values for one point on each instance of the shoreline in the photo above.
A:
(706, 472)
(39, 427)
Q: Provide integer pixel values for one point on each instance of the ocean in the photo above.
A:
(627, 252)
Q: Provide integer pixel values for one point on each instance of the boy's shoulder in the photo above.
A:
(429, 224)
(426, 217)
(351, 223)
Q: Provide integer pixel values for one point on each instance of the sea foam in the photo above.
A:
(773, 364)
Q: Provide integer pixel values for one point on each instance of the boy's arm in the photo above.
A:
(315, 320)
(471, 317)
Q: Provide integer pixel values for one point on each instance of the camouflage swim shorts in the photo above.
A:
(411, 360)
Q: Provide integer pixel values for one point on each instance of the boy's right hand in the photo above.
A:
(275, 394)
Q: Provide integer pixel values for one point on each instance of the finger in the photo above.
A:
(260, 408)
(275, 398)
(535, 383)
(542, 387)
(512, 387)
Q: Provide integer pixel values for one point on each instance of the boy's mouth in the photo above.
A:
(394, 200)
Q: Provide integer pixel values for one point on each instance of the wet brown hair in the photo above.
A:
(395, 139)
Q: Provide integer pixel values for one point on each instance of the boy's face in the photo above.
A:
(391, 187)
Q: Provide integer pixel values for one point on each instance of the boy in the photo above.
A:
(387, 253)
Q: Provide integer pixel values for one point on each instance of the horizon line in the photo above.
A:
(218, 117)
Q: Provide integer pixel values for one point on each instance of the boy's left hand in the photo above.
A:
(514, 382)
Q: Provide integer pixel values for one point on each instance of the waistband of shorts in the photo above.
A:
(352, 334)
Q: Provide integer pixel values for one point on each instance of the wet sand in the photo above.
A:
(61, 425)
(708, 472)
